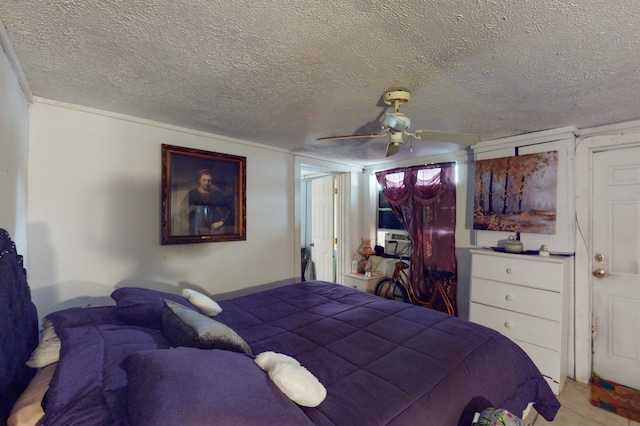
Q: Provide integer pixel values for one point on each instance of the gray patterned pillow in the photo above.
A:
(186, 327)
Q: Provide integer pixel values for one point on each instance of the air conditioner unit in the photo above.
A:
(397, 244)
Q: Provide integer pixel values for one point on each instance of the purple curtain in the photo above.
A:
(424, 200)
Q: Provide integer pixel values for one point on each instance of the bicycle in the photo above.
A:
(398, 287)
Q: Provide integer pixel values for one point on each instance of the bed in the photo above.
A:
(379, 362)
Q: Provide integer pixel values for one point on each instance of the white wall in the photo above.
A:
(14, 145)
(94, 211)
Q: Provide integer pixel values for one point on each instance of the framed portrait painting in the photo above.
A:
(203, 196)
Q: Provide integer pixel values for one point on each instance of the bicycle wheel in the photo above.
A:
(391, 289)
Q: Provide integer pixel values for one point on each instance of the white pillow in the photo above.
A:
(48, 350)
(267, 360)
(294, 380)
(205, 304)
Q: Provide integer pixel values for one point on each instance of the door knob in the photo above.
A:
(599, 273)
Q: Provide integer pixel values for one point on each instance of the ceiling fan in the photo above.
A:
(396, 124)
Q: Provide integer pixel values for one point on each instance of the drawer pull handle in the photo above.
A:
(508, 325)
(510, 271)
(509, 298)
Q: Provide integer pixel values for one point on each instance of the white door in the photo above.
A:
(322, 234)
(615, 260)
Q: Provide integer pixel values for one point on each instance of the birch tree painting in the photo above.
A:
(517, 194)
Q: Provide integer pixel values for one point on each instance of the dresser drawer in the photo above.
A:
(547, 361)
(537, 331)
(362, 283)
(527, 300)
(529, 271)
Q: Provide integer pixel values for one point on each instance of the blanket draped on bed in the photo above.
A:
(382, 362)
(19, 336)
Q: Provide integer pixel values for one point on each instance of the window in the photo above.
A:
(386, 217)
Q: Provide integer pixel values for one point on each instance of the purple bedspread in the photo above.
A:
(382, 362)
(386, 362)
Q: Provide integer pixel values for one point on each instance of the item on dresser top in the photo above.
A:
(502, 250)
(513, 245)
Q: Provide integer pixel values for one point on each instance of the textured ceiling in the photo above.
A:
(285, 72)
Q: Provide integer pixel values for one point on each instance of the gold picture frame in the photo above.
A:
(204, 196)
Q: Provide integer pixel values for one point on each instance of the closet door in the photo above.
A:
(322, 230)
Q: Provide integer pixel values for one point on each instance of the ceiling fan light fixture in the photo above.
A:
(395, 137)
(392, 148)
(397, 121)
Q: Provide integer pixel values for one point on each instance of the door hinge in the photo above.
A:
(335, 191)
(335, 241)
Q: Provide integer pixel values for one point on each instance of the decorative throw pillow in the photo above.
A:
(294, 380)
(48, 350)
(188, 386)
(186, 327)
(143, 307)
(205, 304)
(267, 360)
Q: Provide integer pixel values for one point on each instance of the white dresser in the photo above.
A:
(526, 298)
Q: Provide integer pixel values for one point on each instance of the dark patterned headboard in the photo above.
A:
(18, 326)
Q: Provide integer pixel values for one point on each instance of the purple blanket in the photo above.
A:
(19, 330)
(382, 362)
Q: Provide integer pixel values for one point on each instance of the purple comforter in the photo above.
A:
(382, 362)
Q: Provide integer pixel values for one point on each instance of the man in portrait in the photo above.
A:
(209, 210)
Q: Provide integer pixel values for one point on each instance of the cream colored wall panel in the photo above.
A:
(94, 212)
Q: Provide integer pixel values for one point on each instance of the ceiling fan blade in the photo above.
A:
(392, 148)
(435, 135)
(366, 135)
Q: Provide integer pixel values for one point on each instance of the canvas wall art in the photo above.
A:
(203, 196)
(517, 193)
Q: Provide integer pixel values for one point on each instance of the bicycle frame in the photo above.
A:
(400, 277)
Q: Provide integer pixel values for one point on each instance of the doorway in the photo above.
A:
(614, 258)
(607, 271)
(344, 183)
(319, 233)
